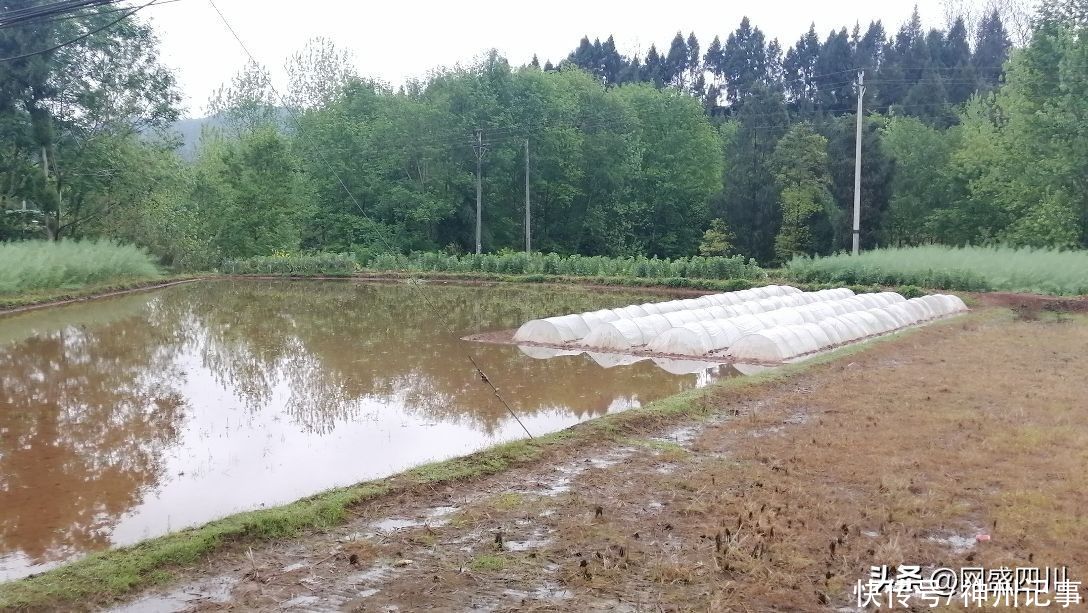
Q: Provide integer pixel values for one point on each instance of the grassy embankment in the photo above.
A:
(42, 271)
(977, 269)
(109, 575)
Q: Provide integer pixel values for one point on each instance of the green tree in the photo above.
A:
(260, 198)
(920, 185)
(717, 240)
(73, 89)
(800, 171)
(680, 169)
(749, 199)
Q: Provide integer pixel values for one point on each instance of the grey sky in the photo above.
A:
(393, 41)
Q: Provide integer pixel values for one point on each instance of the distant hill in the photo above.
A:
(190, 130)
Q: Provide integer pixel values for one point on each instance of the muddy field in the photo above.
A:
(781, 497)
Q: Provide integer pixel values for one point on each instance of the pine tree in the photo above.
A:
(695, 77)
(835, 73)
(749, 200)
(799, 68)
(992, 46)
(675, 70)
(773, 75)
(584, 57)
(744, 61)
(653, 68)
(612, 63)
(956, 64)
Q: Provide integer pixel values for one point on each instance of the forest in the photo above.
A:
(973, 134)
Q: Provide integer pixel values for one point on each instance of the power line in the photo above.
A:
(80, 37)
(96, 13)
(17, 16)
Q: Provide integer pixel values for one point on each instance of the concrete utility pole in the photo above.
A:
(528, 218)
(857, 168)
(479, 148)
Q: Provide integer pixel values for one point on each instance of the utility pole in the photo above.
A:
(528, 218)
(479, 148)
(857, 167)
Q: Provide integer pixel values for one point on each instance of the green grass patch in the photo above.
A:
(487, 562)
(1042, 271)
(507, 501)
(37, 266)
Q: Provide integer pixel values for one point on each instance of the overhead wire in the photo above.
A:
(15, 17)
(81, 36)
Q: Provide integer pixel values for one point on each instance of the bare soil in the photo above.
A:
(779, 499)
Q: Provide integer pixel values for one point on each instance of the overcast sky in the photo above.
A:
(394, 40)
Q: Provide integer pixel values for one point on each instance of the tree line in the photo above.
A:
(744, 148)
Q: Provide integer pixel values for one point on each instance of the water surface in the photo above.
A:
(129, 417)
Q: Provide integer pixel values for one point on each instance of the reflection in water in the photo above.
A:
(126, 418)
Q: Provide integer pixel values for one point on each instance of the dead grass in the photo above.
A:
(976, 427)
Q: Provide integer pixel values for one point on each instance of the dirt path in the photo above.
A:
(781, 498)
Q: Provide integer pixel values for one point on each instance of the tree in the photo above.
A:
(799, 69)
(991, 49)
(676, 64)
(835, 73)
(681, 168)
(612, 63)
(955, 60)
(92, 85)
(261, 199)
(717, 240)
(653, 69)
(749, 198)
(249, 103)
(317, 74)
(744, 61)
(876, 178)
(799, 165)
(920, 185)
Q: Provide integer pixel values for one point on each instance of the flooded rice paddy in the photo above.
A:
(129, 417)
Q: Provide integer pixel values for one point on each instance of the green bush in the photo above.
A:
(518, 263)
(1045, 271)
(43, 265)
(329, 264)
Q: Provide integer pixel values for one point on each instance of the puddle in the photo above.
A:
(214, 590)
(130, 417)
(393, 524)
(956, 543)
(548, 592)
(526, 545)
(683, 436)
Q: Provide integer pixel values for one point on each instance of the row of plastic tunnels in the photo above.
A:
(774, 323)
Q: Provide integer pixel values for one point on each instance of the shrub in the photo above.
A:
(518, 263)
(331, 264)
